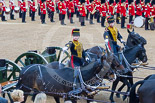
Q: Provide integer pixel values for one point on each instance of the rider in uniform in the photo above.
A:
(77, 59)
(111, 35)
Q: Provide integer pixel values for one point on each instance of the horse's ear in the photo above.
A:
(128, 31)
(133, 30)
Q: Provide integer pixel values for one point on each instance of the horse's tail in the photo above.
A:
(133, 97)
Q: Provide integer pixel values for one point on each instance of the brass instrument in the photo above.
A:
(151, 20)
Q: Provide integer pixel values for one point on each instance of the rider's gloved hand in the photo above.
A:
(106, 41)
(122, 41)
(65, 48)
(87, 59)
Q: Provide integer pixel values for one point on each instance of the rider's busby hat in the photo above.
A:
(110, 19)
(137, 1)
(75, 32)
(111, 1)
(102, 1)
(130, 1)
(147, 1)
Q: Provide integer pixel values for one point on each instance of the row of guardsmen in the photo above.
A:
(95, 8)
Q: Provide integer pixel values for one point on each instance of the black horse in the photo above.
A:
(133, 50)
(146, 91)
(95, 53)
(53, 82)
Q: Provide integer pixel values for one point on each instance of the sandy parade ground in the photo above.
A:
(17, 38)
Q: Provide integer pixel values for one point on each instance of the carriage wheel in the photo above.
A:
(57, 54)
(10, 75)
(29, 58)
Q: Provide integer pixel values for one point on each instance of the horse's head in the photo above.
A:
(135, 39)
(142, 53)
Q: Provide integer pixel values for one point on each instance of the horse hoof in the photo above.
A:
(124, 97)
(118, 95)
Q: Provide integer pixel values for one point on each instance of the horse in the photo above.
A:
(146, 91)
(34, 78)
(95, 53)
(134, 39)
(133, 50)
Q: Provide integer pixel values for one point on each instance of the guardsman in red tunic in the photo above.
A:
(52, 9)
(12, 6)
(82, 11)
(143, 7)
(38, 3)
(103, 13)
(138, 8)
(23, 8)
(147, 14)
(118, 11)
(59, 8)
(77, 10)
(98, 5)
(111, 8)
(3, 10)
(131, 10)
(153, 10)
(63, 12)
(92, 11)
(20, 11)
(123, 14)
(43, 12)
(33, 9)
(87, 3)
(29, 2)
(47, 7)
(71, 11)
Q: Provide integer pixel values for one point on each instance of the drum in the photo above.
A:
(16, 9)
(129, 26)
(139, 21)
(7, 11)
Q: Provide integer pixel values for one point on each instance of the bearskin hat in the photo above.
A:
(117, 1)
(82, 1)
(111, 1)
(103, 1)
(153, 2)
(122, 1)
(137, 2)
(130, 1)
(147, 1)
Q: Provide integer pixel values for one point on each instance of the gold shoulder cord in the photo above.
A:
(78, 48)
